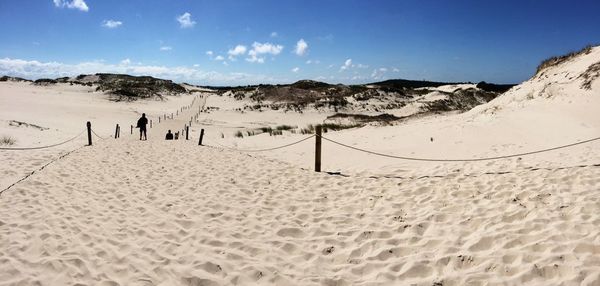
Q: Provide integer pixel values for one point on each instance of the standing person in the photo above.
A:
(169, 135)
(141, 124)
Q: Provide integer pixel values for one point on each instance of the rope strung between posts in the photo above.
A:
(42, 147)
(461, 160)
(269, 149)
(101, 138)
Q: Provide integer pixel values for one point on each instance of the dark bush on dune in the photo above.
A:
(45, 81)
(461, 100)
(501, 88)
(13, 78)
(129, 87)
(310, 84)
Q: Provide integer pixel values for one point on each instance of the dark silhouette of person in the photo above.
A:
(141, 124)
(169, 135)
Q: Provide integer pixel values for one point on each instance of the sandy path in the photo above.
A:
(124, 212)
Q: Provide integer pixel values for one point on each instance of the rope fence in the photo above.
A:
(42, 147)
(269, 149)
(318, 135)
(100, 137)
(459, 160)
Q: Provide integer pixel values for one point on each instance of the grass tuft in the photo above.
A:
(7, 140)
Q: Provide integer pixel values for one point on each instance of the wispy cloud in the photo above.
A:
(185, 20)
(347, 64)
(35, 69)
(237, 51)
(125, 62)
(301, 47)
(111, 24)
(274, 35)
(259, 49)
(209, 53)
(166, 48)
(219, 58)
(296, 69)
(379, 73)
(73, 4)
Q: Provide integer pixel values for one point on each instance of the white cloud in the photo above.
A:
(296, 69)
(259, 49)
(347, 64)
(379, 73)
(274, 35)
(196, 65)
(209, 53)
(395, 70)
(73, 4)
(111, 24)
(185, 20)
(219, 58)
(361, 66)
(301, 47)
(166, 48)
(237, 51)
(36, 69)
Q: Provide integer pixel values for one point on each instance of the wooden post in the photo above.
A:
(318, 149)
(150, 123)
(201, 136)
(165, 116)
(159, 119)
(171, 115)
(89, 131)
(131, 129)
(117, 131)
(187, 133)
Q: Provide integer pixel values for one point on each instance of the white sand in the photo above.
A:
(125, 212)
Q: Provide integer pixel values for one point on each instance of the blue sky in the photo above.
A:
(266, 41)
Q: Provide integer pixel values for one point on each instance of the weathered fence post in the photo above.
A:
(117, 131)
(89, 131)
(318, 149)
(187, 133)
(165, 115)
(201, 136)
(159, 119)
(171, 115)
(150, 123)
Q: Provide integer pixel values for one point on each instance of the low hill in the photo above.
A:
(562, 77)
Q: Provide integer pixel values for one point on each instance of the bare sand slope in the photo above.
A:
(125, 212)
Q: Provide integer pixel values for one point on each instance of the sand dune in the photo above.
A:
(172, 213)
(156, 212)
